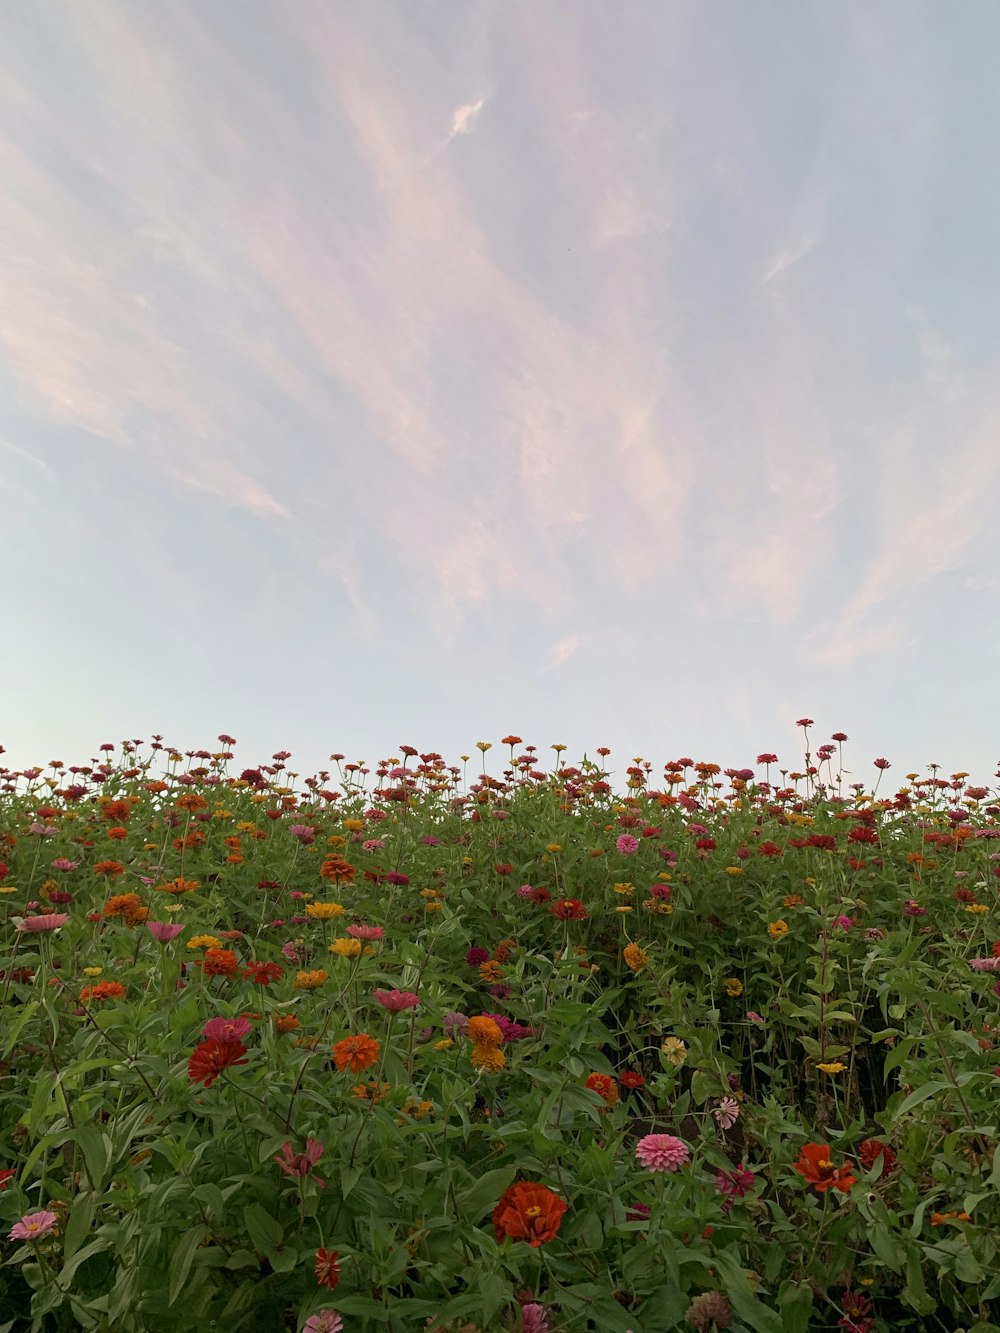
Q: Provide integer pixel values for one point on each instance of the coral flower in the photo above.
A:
(364, 932)
(104, 990)
(530, 1212)
(39, 925)
(209, 1058)
(356, 1053)
(605, 1087)
(814, 1164)
(396, 1000)
(662, 1152)
(227, 1029)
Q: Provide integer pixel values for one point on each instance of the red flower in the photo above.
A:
(814, 1164)
(871, 1150)
(530, 1212)
(5, 1177)
(262, 974)
(209, 1058)
(327, 1268)
(569, 909)
(631, 1080)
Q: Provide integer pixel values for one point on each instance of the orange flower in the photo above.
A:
(117, 812)
(118, 834)
(104, 990)
(814, 1164)
(605, 1087)
(635, 957)
(219, 963)
(491, 972)
(528, 1211)
(356, 1053)
(112, 869)
(338, 870)
(286, 1023)
(483, 1031)
(939, 1219)
(178, 885)
(129, 906)
(191, 801)
(490, 1059)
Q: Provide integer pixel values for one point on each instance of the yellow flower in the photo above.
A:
(432, 907)
(558, 748)
(793, 900)
(8, 888)
(635, 957)
(223, 814)
(336, 841)
(310, 980)
(626, 908)
(553, 847)
(346, 948)
(777, 928)
(626, 890)
(834, 1067)
(674, 1050)
(354, 825)
(734, 870)
(484, 746)
(417, 1109)
(445, 1044)
(467, 861)
(92, 971)
(491, 1059)
(324, 911)
(246, 826)
(977, 907)
(204, 942)
(734, 986)
(657, 905)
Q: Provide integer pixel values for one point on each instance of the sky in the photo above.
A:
(377, 373)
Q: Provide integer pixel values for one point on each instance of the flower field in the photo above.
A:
(516, 1044)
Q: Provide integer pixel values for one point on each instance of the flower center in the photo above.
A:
(534, 1211)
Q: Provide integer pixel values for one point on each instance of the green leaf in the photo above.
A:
(14, 1031)
(79, 1222)
(97, 1152)
(795, 1300)
(968, 1268)
(182, 1258)
(483, 1195)
(494, 1291)
(921, 1094)
(264, 1231)
(887, 1247)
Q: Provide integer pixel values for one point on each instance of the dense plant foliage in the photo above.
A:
(423, 1048)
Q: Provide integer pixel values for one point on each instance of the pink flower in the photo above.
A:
(38, 925)
(373, 845)
(227, 1029)
(164, 931)
(305, 833)
(534, 1319)
(985, 964)
(727, 1113)
(396, 1000)
(61, 863)
(363, 932)
(525, 891)
(735, 1184)
(301, 1164)
(33, 1225)
(323, 1321)
(844, 922)
(662, 1152)
(627, 845)
(661, 891)
(753, 1016)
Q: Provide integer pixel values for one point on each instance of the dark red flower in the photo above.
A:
(5, 1177)
(327, 1267)
(631, 1080)
(569, 909)
(209, 1058)
(871, 1150)
(262, 974)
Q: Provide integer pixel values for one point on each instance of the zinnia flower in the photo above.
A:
(662, 1152)
(262, 974)
(164, 931)
(777, 928)
(301, 1164)
(569, 909)
(327, 1268)
(363, 932)
(6, 1176)
(227, 1029)
(104, 990)
(534, 1319)
(490, 1059)
(813, 1162)
(626, 844)
(219, 963)
(605, 1087)
(324, 911)
(734, 1185)
(209, 1058)
(396, 1000)
(310, 980)
(870, 1150)
(528, 1211)
(734, 986)
(39, 925)
(323, 1321)
(356, 1053)
(344, 948)
(674, 1050)
(33, 1225)
(709, 1310)
(635, 958)
(727, 1113)
(482, 1031)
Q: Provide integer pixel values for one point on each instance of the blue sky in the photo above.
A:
(611, 374)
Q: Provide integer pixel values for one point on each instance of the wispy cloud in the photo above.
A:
(562, 652)
(464, 119)
(27, 456)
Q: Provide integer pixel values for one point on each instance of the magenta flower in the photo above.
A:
(844, 922)
(164, 931)
(534, 1319)
(662, 1152)
(227, 1029)
(301, 1164)
(396, 1000)
(323, 1321)
(735, 1184)
(32, 1226)
(627, 845)
(525, 891)
(38, 925)
(364, 932)
(911, 908)
(727, 1113)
